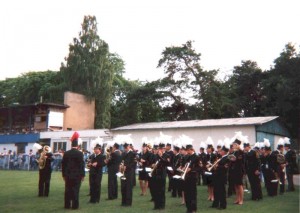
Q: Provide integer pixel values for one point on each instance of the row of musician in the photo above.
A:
(184, 168)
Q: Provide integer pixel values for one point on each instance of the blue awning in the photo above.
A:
(19, 138)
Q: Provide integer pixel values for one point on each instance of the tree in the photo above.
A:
(246, 89)
(182, 65)
(90, 68)
(281, 89)
(31, 87)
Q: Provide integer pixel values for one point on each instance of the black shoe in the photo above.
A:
(221, 208)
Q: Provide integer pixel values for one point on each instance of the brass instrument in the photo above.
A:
(154, 167)
(108, 152)
(213, 165)
(280, 158)
(231, 157)
(187, 165)
(42, 160)
(122, 170)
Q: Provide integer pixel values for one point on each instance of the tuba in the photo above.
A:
(42, 160)
(108, 151)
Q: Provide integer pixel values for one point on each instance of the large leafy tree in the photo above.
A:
(245, 89)
(282, 91)
(32, 87)
(182, 66)
(90, 68)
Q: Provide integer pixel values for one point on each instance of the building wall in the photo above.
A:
(81, 113)
(198, 134)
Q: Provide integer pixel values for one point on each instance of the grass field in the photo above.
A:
(18, 193)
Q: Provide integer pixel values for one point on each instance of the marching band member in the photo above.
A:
(144, 161)
(176, 163)
(73, 173)
(237, 164)
(190, 176)
(270, 168)
(159, 174)
(113, 163)
(96, 164)
(184, 160)
(230, 189)
(280, 164)
(202, 156)
(171, 155)
(129, 163)
(291, 164)
(252, 163)
(220, 144)
(45, 170)
(210, 159)
(153, 160)
(220, 169)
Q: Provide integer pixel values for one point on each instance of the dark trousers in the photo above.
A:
(282, 181)
(72, 187)
(151, 188)
(230, 190)
(190, 193)
(254, 180)
(112, 185)
(289, 174)
(126, 189)
(219, 195)
(177, 188)
(271, 186)
(95, 184)
(159, 185)
(44, 183)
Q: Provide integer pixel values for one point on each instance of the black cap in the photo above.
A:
(126, 145)
(74, 143)
(168, 144)
(189, 146)
(237, 141)
(144, 145)
(98, 146)
(176, 148)
(209, 146)
(116, 145)
(246, 145)
(161, 145)
(225, 149)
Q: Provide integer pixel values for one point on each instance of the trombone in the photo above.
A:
(213, 165)
(154, 168)
(187, 165)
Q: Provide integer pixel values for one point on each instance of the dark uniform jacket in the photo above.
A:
(73, 164)
(100, 163)
(252, 161)
(114, 161)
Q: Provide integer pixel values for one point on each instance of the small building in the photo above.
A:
(256, 128)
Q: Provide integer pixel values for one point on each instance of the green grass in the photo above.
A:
(18, 193)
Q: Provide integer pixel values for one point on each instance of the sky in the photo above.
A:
(35, 35)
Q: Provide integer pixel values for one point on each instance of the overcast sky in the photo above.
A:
(35, 35)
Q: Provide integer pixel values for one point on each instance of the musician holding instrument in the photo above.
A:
(176, 162)
(269, 168)
(153, 160)
(95, 178)
(291, 164)
(190, 178)
(211, 158)
(159, 175)
(128, 169)
(113, 163)
(237, 165)
(144, 161)
(252, 164)
(45, 170)
(280, 164)
(219, 171)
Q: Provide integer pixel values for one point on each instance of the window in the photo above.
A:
(59, 145)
